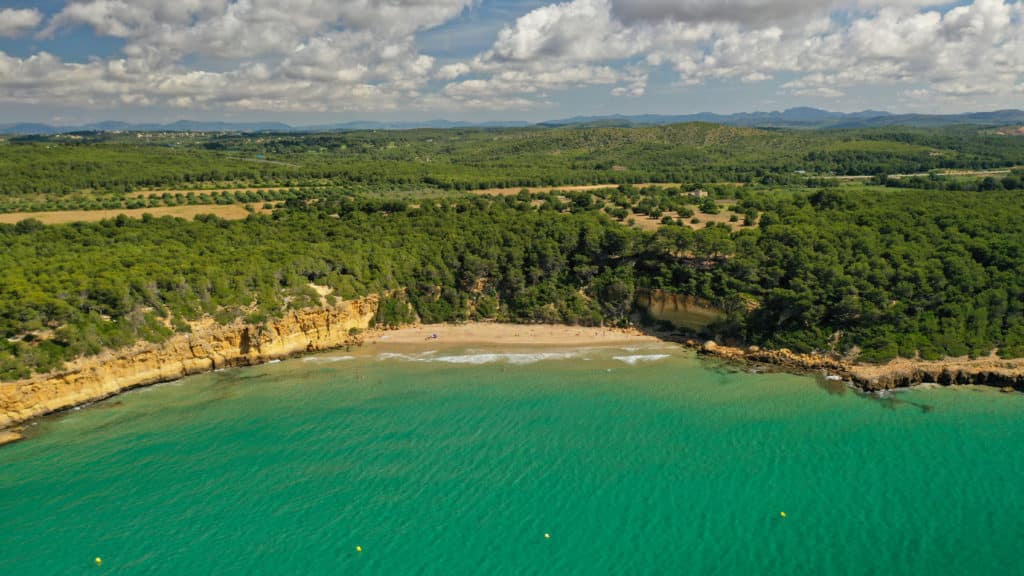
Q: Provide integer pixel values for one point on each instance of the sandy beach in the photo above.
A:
(493, 334)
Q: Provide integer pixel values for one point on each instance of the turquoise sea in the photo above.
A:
(632, 461)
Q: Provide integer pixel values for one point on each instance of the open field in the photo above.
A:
(649, 224)
(229, 212)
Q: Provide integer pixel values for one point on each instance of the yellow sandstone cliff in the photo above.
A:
(681, 311)
(205, 349)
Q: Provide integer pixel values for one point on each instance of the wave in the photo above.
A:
(421, 357)
(635, 358)
(523, 358)
(482, 358)
(328, 358)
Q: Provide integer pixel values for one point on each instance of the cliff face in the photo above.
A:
(899, 373)
(991, 371)
(238, 344)
(681, 311)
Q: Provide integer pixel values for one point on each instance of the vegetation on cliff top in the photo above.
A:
(815, 266)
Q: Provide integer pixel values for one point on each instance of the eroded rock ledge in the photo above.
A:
(900, 373)
(239, 344)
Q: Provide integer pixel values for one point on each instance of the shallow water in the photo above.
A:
(638, 461)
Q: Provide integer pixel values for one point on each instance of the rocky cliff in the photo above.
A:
(206, 348)
(687, 312)
(899, 373)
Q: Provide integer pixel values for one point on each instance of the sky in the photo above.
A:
(325, 61)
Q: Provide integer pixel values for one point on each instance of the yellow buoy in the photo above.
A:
(783, 514)
(546, 535)
(99, 561)
(359, 548)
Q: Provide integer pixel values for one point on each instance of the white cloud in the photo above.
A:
(753, 13)
(242, 28)
(581, 30)
(554, 48)
(328, 55)
(453, 71)
(15, 22)
(313, 55)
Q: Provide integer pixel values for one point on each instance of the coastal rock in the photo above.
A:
(9, 436)
(681, 311)
(239, 344)
(1008, 375)
(784, 358)
(952, 372)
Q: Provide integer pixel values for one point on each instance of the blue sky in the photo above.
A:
(317, 61)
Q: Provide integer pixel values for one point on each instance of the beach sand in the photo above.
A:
(493, 334)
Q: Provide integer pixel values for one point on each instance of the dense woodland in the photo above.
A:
(883, 269)
(465, 159)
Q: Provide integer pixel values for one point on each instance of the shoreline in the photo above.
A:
(500, 334)
(899, 373)
(93, 379)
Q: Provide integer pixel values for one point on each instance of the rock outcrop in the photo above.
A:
(9, 436)
(687, 312)
(950, 372)
(783, 358)
(1007, 375)
(239, 344)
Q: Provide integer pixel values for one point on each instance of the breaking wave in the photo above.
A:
(482, 358)
(635, 358)
(328, 358)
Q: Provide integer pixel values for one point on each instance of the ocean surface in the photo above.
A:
(578, 461)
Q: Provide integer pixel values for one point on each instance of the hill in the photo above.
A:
(804, 118)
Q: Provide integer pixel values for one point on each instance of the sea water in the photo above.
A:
(481, 461)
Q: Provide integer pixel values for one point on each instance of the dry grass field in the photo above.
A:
(229, 212)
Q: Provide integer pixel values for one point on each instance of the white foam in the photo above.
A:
(522, 358)
(635, 358)
(328, 358)
(421, 357)
(482, 358)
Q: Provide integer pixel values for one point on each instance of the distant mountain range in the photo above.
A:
(807, 118)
